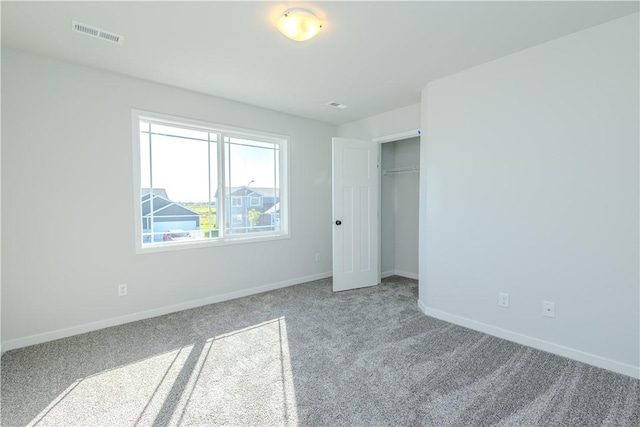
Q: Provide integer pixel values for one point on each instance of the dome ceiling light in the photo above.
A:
(299, 24)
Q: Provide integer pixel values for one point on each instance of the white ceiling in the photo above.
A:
(371, 56)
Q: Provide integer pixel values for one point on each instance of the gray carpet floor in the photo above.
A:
(306, 356)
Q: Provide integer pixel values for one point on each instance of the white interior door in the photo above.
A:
(355, 214)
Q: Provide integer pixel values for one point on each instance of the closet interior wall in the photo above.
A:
(399, 209)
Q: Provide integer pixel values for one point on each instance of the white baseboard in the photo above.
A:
(581, 356)
(114, 321)
(401, 273)
(406, 274)
(386, 274)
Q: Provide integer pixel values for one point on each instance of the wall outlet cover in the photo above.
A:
(549, 309)
(503, 299)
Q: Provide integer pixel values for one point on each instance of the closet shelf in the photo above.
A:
(396, 171)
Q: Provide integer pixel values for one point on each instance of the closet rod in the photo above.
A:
(395, 171)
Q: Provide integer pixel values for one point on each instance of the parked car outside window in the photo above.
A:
(176, 235)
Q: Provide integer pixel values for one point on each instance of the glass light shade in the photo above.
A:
(299, 24)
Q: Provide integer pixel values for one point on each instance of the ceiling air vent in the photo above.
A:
(336, 104)
(98, 33)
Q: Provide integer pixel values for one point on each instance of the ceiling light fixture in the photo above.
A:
(299, 24)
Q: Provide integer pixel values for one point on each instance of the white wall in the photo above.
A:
(67, 169)
(1, 346)
(531, 188)
(389, 123)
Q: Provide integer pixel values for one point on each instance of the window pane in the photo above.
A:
(179, 132)
(182, 186)
(252, 186)
(145, 161)
(210, 223)
(176, 199)
(208, 208)
(180, 166)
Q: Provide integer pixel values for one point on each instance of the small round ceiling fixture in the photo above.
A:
(299, 24)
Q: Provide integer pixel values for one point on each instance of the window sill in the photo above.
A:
(201, 244)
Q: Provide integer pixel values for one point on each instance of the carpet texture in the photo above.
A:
(306, 356)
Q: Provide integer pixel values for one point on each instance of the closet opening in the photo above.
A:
(399, 207)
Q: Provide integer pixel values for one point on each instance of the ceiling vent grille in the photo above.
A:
(98, 33)
(335, 104)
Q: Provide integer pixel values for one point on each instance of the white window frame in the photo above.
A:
(235, 199)
(222, 130)
(252, 198)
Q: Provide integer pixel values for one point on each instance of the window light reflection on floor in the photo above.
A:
(245, 375)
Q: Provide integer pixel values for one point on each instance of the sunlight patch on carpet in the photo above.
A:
(242, 376)
(238, 377)
(117, 396)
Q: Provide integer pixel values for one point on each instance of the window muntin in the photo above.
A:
(245, 159)
(185, 195)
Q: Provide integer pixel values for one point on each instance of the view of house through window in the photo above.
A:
(199, 183)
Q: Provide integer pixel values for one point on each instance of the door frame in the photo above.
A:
(380, 140)
(383, 140)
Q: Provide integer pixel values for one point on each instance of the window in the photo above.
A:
(192, 178)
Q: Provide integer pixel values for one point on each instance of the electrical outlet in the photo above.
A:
(317, 257)
(548, 308)
(503, 299)
(122, 289)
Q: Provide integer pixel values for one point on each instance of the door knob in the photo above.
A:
(338, 222)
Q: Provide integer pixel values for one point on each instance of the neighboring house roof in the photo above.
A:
(273, 209)
(159, 191)
(164, 207)
(251, 191)
(265, 191)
